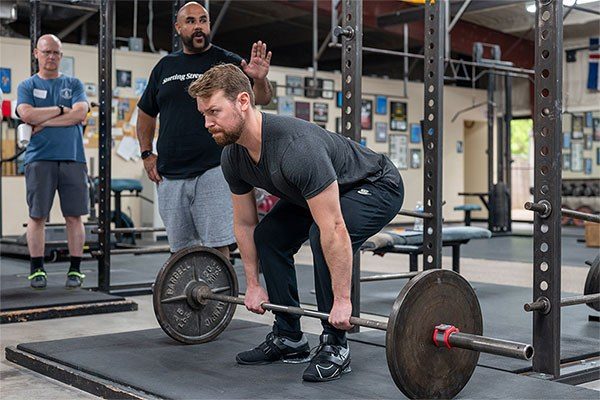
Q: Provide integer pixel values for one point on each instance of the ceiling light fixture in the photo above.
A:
(567, 3)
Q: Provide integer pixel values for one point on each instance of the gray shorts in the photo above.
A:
(43, 178)
(197, 211)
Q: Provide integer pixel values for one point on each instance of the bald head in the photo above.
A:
(192, 7)
(48, 52)
(193, 26)
(49, 39)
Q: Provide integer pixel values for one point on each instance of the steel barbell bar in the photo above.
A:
(457, 339)
(543, 303)
(545, 209)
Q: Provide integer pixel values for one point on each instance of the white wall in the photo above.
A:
(14, 54)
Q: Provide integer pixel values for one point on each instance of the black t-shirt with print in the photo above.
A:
(185, 148)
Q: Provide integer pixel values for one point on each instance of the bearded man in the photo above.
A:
(333, 192)
(193, 197)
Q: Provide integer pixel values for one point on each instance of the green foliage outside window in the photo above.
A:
(520, 132)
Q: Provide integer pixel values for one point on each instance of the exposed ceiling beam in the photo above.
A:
(414, 14)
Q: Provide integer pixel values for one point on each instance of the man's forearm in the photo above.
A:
(244, 236)
(68, 119)
(145, 128)
(38, 115)
(337, 250)
(262, 92)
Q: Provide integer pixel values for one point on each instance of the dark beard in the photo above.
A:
(232, 136)
(188, 42)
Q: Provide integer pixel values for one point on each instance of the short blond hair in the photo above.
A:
(226, 77)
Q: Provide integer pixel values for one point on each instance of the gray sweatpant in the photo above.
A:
(197, 211)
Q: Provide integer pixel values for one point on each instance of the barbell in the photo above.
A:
(433, 334)
(591, 293)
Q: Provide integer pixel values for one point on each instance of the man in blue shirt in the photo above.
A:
(55, 105)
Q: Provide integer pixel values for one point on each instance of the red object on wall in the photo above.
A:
(6, 108)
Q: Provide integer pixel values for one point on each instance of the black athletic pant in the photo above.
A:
(367, 208)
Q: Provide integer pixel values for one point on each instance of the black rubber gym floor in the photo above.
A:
(149, 364)
(520, 249)
(503, 316)
(125, 269)
(16, 295)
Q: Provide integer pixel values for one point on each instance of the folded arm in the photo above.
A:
(36, 115)
(71, 116)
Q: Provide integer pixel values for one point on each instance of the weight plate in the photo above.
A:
(419, 368)
(592, 282)
(178, 313)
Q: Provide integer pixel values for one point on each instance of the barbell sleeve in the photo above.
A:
(449, 336)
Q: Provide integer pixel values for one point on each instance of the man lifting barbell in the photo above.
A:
(333, 192)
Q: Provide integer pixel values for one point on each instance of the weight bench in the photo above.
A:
(468, 208)
(411, 243)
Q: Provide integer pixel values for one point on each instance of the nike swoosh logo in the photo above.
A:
(319, 368)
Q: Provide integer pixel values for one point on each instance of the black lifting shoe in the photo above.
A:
(276, 348)
(331, 360)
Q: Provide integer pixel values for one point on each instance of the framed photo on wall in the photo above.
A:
(566, 166)
(587, 141)
(285, 106)
(303, 110)
(381, 105)
(399, 150)
(339, 99)
(597, 155)
(415, 133)
(566, 140)
(320, 112)
(310, 91)
(67, 67)
(596, 128)
(366, 115)
(327, 92)
(293, 85)
(588, 166)
(588, 119)
(398, 116)
(577, 156)
(415, 158)
(123, 78)
(5, 80)
(380, 132)
(577, 126)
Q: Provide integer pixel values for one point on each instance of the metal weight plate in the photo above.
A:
(178, 313)
(592, 282)
(419, 368)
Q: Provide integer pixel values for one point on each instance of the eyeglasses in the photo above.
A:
(47, 53)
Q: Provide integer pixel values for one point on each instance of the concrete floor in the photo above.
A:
(21, 383)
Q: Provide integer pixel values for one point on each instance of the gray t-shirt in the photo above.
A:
(299, 160)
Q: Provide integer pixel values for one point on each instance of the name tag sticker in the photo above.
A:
(39, 93)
